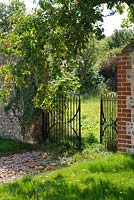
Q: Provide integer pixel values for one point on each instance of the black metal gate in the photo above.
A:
(62, 125)
(108, 121)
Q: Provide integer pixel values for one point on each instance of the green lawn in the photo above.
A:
(90, 118)
(98, 177)
(11, 146)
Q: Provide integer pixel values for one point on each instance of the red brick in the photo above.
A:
(119, 93)
(128, 146)
(126, 110)
(122, 67)
(120, 105)
(122, 97)
(122, 150)
(127, 93)
(119, 117)
(124, 136)
(121, 145)
(123, 75)
(122, 71)
(126, 84)
(122, 102)
(124, 145)
(123, 128)
(128, 141)
(129, 89)
(122, 114)
(119, 102)
(129, 62)
(123, 132)
(118, 75)
(119, 84)
(119, 68)
(121, 89)
(124, 62)
(119, 58)
(119, 127)
(121, 80)
(126, 58)
(124, 141)
(128, 66)
(128, 114)
(119, 109)
(126, 119)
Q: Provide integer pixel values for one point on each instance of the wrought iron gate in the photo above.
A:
(63, 124)
(108, 121)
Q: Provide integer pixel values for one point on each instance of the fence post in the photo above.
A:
(125, 91)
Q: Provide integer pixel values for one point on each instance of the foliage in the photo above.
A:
(107, 61)
(108, 69)
(98, 63)
(128, 22)
(120, 38)
(41, 69)
(87, 72)
(7, 13)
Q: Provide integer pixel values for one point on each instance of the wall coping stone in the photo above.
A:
(129, 48)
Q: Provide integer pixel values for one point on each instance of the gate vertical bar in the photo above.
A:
(79, 123)
(43, 126)
(101, 118)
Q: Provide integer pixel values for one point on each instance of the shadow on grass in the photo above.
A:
(8, 145)
(61, 189)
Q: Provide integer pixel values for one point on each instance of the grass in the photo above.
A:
(90, 118)
(98, 177)
(11, 146)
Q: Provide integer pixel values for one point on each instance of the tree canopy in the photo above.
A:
(7, 11)
(47, 44)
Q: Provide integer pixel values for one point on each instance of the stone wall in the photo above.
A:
(125, 91)
(9, 125)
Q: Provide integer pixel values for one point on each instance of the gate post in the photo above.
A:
(125, 92)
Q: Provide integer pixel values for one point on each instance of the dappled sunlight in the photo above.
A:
(79, 182)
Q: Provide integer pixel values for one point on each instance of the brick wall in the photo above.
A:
(125, 92)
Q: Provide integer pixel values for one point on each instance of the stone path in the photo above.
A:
(17, 165)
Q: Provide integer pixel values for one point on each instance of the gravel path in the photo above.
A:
(16, 165)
